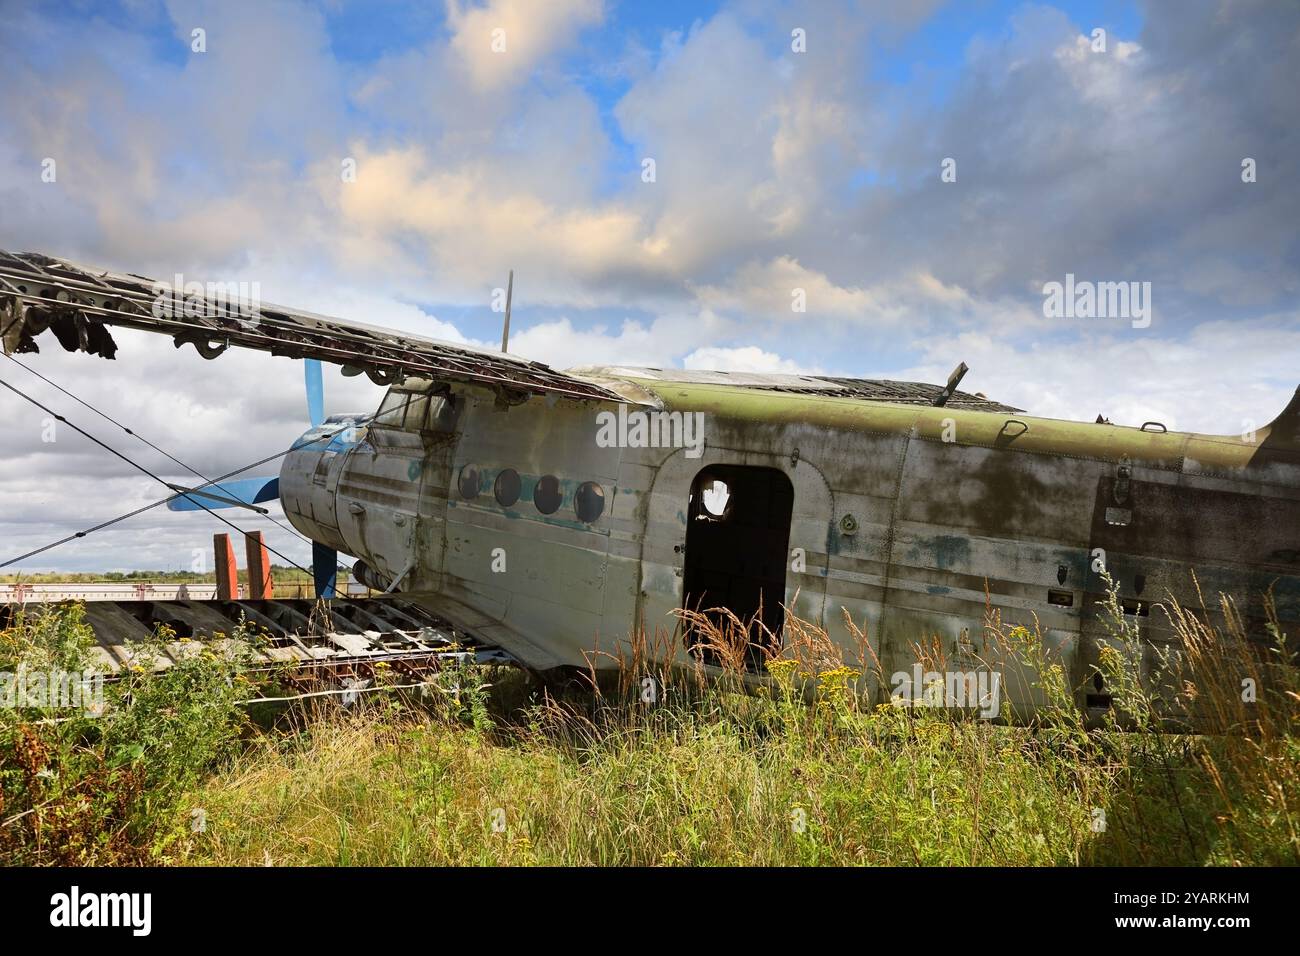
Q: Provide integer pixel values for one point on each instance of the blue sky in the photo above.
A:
(778, 174)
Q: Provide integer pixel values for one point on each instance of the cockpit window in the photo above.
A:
(415, 410)
(416, 413)
(393, 409)
(442, 414)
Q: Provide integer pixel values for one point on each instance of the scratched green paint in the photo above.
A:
(972, 427)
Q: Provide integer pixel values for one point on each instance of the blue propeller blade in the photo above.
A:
(251, 491)
(324, 569)
(315, 391)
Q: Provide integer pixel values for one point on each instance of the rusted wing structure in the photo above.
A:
(286, 631)
(79, 304)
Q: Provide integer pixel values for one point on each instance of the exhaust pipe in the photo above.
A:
(370, 577)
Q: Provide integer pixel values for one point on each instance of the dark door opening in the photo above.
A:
(737, 535)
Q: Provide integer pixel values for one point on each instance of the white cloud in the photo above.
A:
(784, 290)
(501, 42)
(1214, 380)
(744, 358)
(472, 226)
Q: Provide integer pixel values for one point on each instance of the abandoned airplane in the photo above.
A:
(554, 513)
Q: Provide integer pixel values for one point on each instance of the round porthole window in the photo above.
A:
(469, 482)
(589, 501)
(507, 488)
(547, 495)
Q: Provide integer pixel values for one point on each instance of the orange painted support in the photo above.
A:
(227, 576)
(259, 567)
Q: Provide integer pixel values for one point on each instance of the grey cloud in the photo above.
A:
(1124, 164)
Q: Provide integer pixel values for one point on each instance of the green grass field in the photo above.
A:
(491, 769)
(288, 582)
(278, 571)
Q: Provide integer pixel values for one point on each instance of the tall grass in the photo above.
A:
(82, 787)
(698, 763)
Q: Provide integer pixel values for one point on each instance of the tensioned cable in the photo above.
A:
(138, 467)
(136, 435)
(325, 438)
(160, 501)
(207, 481)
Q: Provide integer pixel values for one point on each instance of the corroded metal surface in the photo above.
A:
(917, 521)
(79, 304)
(278, 631)
(874, 390)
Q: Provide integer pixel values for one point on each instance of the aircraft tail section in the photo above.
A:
(1285, 429)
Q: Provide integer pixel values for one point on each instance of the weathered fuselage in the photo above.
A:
(916, 520)
(492, 493)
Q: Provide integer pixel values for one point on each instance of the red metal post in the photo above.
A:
(227, 576)
(259, 567)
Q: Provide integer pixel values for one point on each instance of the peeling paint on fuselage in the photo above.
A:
(912, 519)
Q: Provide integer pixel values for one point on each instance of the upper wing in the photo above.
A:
(867, 389)
(77, 303)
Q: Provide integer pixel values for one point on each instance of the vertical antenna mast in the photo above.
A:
(505, 330)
